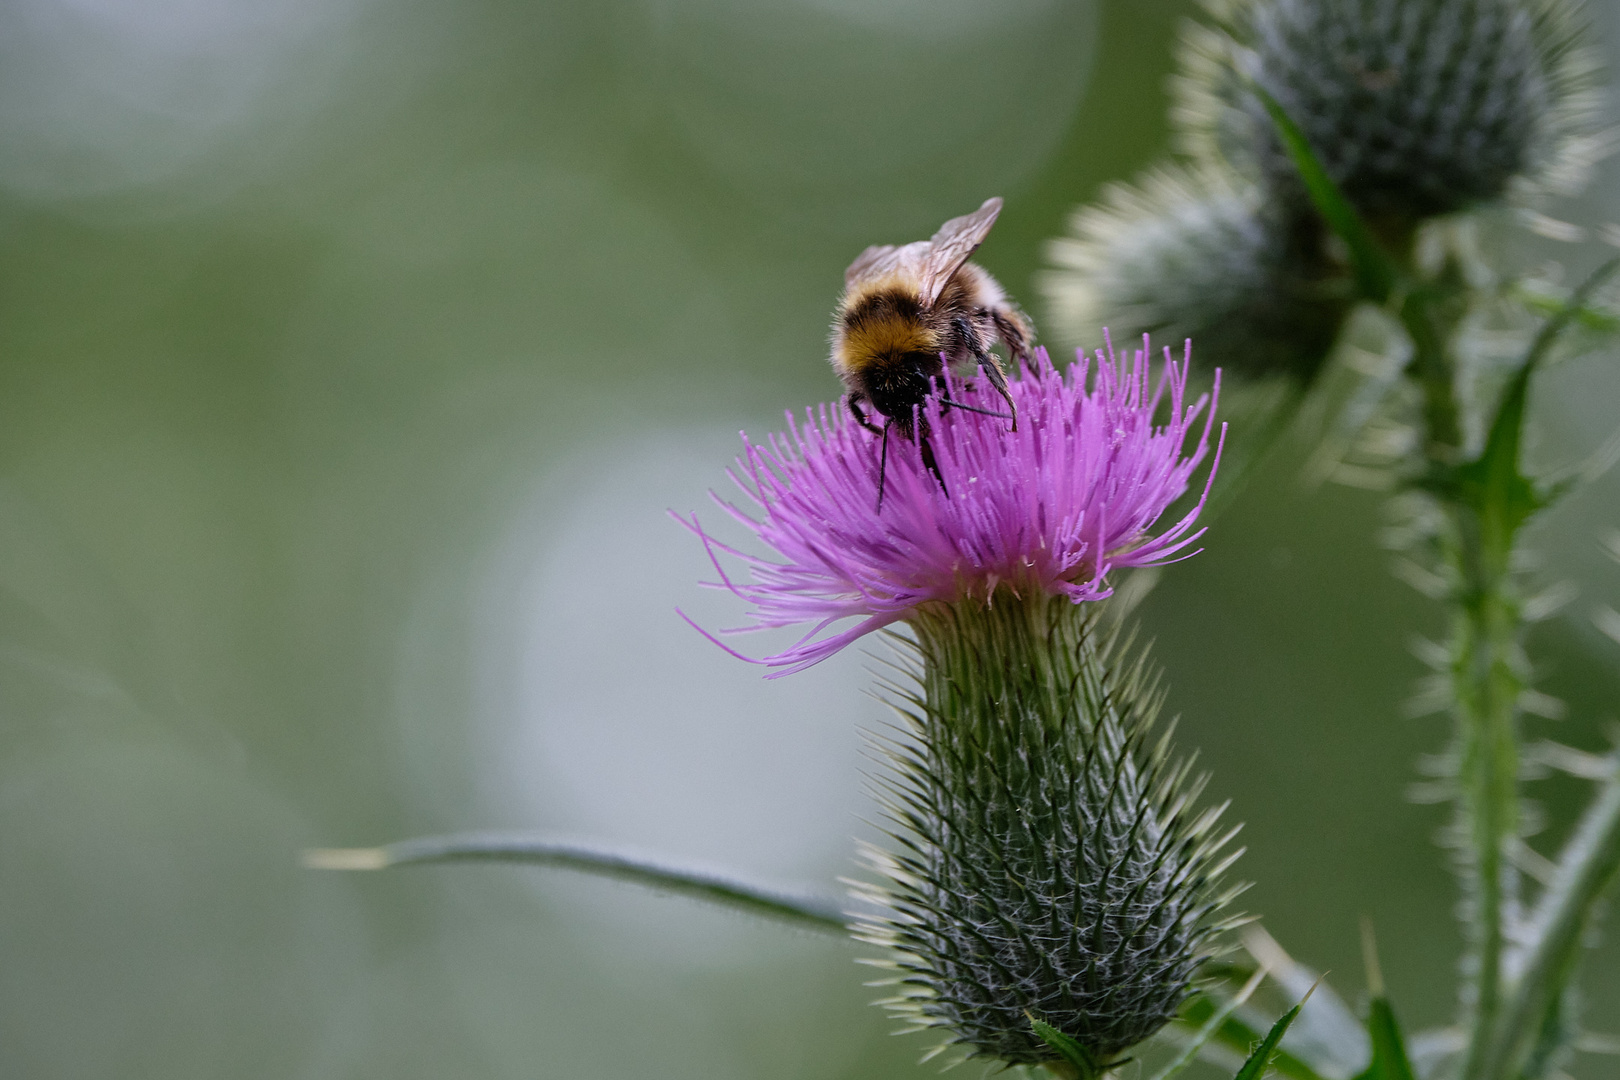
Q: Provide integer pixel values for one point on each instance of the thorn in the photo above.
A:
(366, 858)
(1551, 228)
(1593, 1043)
(1252, 985)
(1532, 862)
(1369, 958)
(1606, 619)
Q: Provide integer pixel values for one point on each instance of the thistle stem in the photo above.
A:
(1485, 628)
(1431, 365)
(1485, 689)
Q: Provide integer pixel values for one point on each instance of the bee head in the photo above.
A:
(901, 382)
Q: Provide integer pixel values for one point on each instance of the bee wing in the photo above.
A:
(867, 261)
(953, 245)
(881, 260)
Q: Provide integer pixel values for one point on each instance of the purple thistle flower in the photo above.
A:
(1048, 509)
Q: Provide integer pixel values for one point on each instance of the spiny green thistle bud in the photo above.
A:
(1415, 107)
(1196, 253)
(1049, 862)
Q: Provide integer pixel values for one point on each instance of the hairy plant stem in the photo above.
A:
(1486, 688)
(1486, 685)
(1431, 366)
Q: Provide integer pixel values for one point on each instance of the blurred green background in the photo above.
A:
(351, 352)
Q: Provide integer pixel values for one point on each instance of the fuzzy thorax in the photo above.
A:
(879, 321)
(1047, 860)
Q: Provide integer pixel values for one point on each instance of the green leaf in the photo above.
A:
(1067, 1048)
(1587, 868)
(1260, 1060)
(1235, 1034)
(701, 883)
(1389, 1060)
(1376, 275)
(1492, 483)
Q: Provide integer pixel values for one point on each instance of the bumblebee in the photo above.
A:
(909, 311)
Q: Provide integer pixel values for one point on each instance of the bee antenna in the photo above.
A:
(883, 464)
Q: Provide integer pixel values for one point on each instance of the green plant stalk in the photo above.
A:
(1589, 865)
(1484, 518)
(1485, 630)
(1497, 499)
(1486, 502)
(1486, 688)
(1431, 366)
(1558, 1031)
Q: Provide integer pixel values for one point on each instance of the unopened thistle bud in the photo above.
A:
(1199, 254)
(1415, 107)
(1049, 862)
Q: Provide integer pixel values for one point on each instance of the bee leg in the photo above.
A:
(928, 459)
(883, 463)
(853, 400)
(987, 363)
(1013, 334)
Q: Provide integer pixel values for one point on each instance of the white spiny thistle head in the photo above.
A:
(1416, 107)
(1197, 253)
(1049, 863)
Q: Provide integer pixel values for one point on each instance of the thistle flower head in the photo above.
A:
(1415, 107)
(1046, 510)
(1048, 860)
(1197, 253)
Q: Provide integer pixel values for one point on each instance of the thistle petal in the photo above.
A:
(1047, 510)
